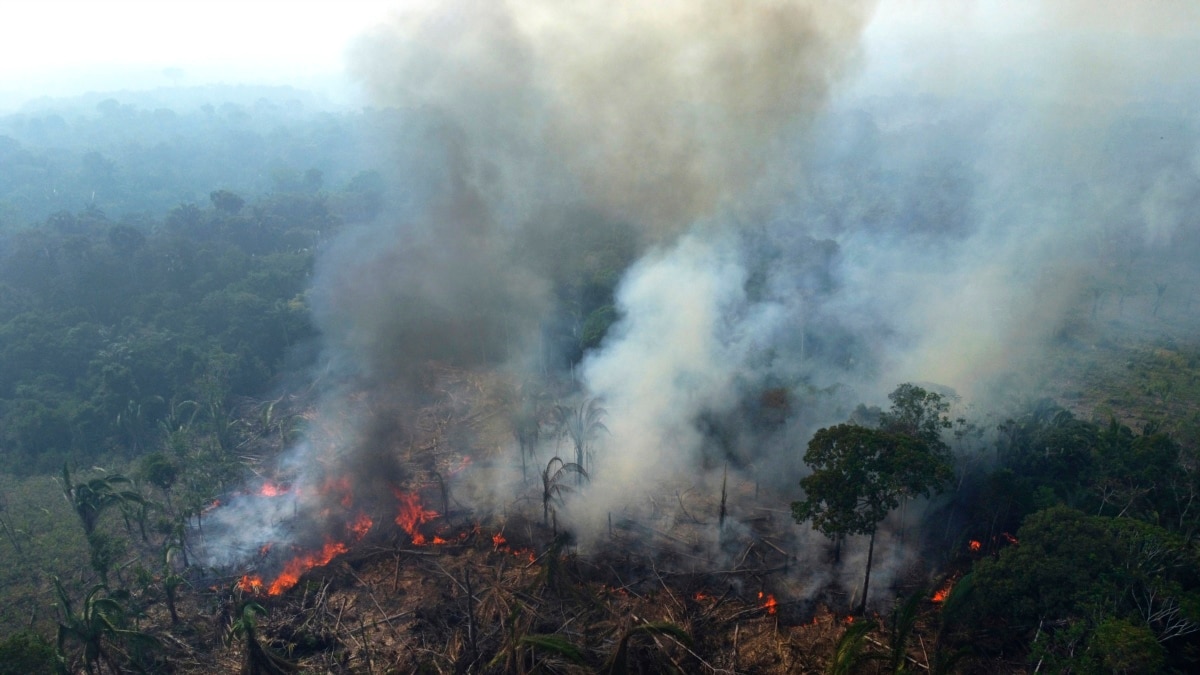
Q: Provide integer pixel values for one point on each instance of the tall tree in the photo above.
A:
(859, 476)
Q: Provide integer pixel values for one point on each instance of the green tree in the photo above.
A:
(26, 653)
(859, 476)
(99, 624)
(158, 470)
(259, 659)
(226, 202)
(1071, 573)
(91, 499)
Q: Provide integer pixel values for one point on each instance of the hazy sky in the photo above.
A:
(63, 47)
(57, 47)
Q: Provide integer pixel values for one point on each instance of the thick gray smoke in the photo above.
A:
(808, 203)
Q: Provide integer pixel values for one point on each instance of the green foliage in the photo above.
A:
(1078, 571)
(258, 659)
(859, 475)
(92, 498)
(99, 623)
(26, 653)
(902, 623)
(848, 653)
(618, 661)
(105, 326)
(555, 645)
(1119, 646)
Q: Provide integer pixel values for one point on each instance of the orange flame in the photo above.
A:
(943, 592)
(1010, 539)
(270, 489)
(361, 525)
(250, 584)
(413, 514)
(499, 543)
(700, 597)
(265, 549)
(974, 546)
(768, 602)
(297, 566)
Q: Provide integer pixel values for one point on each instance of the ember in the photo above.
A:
(943, 592)
(974, 546)
(499, 543)
(768, 602)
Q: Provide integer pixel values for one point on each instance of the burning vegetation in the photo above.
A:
(596, 402)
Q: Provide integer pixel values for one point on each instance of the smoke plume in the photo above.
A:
(806, 204)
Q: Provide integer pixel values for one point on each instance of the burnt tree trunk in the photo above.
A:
(862, 606)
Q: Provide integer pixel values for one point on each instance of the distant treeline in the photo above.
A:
(107, 327)
(144, 158)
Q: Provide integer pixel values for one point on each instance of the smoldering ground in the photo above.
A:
(820, 200)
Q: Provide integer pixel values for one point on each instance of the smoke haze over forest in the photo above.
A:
(827, 199)
(665, 241)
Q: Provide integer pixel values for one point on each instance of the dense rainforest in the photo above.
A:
(159, 358)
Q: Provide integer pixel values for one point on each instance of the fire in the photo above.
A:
(700, 597)
(974, 546)
(265, 549)
(768, 602)
(943, 592)
(361, 525)
(270, 489)
(1010, 539)
(250, 583)
(849, 619)
(499, 543)
(297, 566)
(413, 514)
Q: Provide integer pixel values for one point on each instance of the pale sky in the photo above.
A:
(70, 47)
(62, 47)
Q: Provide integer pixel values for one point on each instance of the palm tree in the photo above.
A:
(171, 579)
(581, 424)
(260, 660)
(100, 621)
(552, 487)
(618, 661)
(89, 500)
(848, 654)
